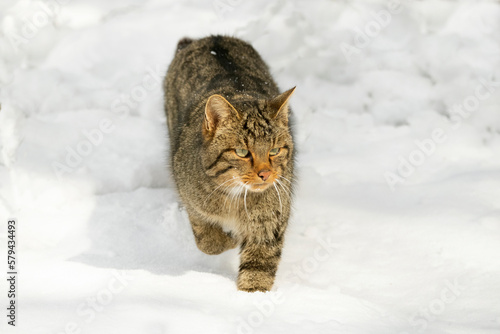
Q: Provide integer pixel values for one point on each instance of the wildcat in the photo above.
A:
(232, 152)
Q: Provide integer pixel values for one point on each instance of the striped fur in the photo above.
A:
(219, 97)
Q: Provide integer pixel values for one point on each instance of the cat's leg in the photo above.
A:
(258, 265)
(211, 239)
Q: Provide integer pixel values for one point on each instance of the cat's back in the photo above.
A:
(218, 62)
(212, 65)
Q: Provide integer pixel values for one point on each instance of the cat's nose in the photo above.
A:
(264, 174)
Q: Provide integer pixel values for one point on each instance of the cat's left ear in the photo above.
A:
(279, 105)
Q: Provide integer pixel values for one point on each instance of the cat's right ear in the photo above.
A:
(217, 110)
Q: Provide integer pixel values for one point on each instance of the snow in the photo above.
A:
(396, 220)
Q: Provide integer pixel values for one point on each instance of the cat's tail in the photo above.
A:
(183, 43)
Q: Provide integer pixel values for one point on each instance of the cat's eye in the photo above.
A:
(274, 151)
(242, 153)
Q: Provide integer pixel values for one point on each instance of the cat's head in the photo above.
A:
(247, 144)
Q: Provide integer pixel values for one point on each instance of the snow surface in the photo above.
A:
(396, 223)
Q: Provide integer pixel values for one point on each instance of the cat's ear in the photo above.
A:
(217, 110)
(279, 105)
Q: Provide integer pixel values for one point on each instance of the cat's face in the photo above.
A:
(247, 144)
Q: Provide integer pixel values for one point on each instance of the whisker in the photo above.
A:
(289, 186)
(284, 187)
(220, 185)
(245, 200)
(278, 179)
(227, 187)
(230, 196)
(236, 194)
(284, 178)
(279, 197)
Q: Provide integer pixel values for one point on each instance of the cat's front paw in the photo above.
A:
(215, 242)
(252, 281)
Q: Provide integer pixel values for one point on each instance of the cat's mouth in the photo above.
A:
(258, 187)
